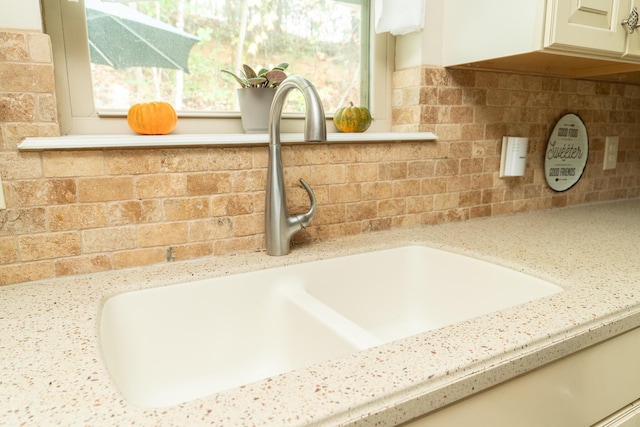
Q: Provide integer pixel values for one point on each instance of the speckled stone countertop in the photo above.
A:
(51, 371)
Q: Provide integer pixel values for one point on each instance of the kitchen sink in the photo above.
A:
(171, 344)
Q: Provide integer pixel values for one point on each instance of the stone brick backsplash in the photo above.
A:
(73, 212)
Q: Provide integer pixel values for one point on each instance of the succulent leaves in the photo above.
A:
(262, 79)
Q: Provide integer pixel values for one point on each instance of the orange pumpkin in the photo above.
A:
(152, 118)
(352, 119)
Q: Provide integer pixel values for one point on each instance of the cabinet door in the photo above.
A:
(578, 390)
(587, 25)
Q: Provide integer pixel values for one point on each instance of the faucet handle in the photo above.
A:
(305, 219)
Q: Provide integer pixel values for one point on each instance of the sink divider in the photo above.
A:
(341, 325)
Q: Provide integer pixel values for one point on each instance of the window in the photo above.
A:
(328, 41)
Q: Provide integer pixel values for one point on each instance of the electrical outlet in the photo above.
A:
(3, 204)
(610, 152)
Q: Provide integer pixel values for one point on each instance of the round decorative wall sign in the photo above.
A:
(567, 152)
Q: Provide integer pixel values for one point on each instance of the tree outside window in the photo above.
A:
(320, 39)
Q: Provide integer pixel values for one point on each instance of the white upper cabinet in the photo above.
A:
(476, 30)
(575, 38)
(587, 25)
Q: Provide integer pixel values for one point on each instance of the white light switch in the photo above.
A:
(3, 204)
(513, 159)
(610, 152)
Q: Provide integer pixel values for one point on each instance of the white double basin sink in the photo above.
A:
(171, 344)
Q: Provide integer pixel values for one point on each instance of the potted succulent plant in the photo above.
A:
(256, 93)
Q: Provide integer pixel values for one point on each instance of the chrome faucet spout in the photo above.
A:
(279, 225)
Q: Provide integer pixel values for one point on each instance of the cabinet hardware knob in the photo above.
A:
(632, 21)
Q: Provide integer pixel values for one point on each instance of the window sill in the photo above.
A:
(76, 142)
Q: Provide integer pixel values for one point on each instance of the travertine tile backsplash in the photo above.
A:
(71, 212)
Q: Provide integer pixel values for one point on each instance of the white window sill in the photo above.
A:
(225, 140)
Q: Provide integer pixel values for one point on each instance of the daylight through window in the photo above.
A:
(174, 50)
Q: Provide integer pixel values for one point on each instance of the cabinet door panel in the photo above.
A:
(588, 25)
(578, 390)
(591, 13)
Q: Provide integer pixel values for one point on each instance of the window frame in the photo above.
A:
(65, 23)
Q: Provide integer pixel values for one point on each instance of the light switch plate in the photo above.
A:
(610, 152)
(3, 204)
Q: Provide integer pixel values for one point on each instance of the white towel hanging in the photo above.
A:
(399, 16)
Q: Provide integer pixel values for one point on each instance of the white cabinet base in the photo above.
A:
(579, 390)
(626, 417)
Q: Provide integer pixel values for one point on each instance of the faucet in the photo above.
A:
(279, 225)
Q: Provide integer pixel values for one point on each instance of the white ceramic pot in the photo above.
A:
(255, 104)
